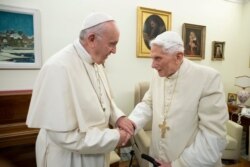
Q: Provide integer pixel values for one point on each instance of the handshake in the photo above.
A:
(126, 129)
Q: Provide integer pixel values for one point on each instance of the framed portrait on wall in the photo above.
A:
(218, 50)
(232, 98)
(20, 45)
(150, 23)
(194, 37)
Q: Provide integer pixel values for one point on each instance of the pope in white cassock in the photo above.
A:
(187, 106)
(72, 103)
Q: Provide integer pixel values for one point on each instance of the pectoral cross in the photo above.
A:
(163, 128)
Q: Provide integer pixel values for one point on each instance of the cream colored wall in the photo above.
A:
(61, 22)
(246, 44)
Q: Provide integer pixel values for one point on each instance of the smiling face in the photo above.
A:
(105, 43)
(165, 63)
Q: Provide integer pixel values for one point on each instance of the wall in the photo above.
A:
(246, 36)
(61, 23)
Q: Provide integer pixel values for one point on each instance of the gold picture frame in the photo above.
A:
(218, 50)
(232, 98)
(150, 23)
(194, 37)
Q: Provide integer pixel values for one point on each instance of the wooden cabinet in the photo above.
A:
(17, 141)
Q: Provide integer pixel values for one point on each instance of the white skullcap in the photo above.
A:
(94, 19)
(168, 39)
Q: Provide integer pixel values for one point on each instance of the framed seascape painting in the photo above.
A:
(218, 50)
(20, 45)
(150, 23)
(194, 41)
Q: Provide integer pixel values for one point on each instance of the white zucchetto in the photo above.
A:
(95, 19)
(168, 39)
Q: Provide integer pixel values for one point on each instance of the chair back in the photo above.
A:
(140, 89)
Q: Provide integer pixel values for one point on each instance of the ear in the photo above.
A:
(91, 37)
(179, 56)
(91, 40)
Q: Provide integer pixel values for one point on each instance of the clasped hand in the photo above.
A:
(126, 129)
(164, 164)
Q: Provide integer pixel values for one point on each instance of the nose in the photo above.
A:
(153, 65)
(113, 50)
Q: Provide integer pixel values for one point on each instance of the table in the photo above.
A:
(244, 121)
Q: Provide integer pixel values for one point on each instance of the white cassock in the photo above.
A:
(67, 106)
(196, 118)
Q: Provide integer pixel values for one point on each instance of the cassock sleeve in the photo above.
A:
(94, 141)
(142, 112)
(210, 140)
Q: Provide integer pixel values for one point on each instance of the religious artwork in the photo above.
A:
(20, 46)
(232, 98)
(218, 50)
(194, 41)
(150, 23)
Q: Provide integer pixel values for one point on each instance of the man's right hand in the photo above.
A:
(126, 124)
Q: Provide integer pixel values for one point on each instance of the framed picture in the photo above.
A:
(232, 98)
(150, 23)
(249, 61)
(194, 41)
(218, 50)
(20, 45)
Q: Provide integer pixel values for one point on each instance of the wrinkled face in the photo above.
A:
(105, 43)
(165, 63)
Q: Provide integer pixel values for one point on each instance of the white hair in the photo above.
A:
(170, 42)
(98, 29)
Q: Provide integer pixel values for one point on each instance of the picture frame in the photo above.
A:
(194, 37)
(20, 41)
(249, 62)
(150, 23)
(218, 50)
(232, 98)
